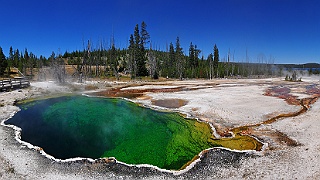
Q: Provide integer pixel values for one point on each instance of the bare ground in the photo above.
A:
(293, 150)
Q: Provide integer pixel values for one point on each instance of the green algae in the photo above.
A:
(240, 142)
(80, 126)
(169, 145)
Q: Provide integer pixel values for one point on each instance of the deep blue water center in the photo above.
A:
(49, 125)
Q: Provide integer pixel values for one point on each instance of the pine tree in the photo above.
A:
(145, 37)
(191, 56)
(140, 54)
(31, 63)
(3, 62)
(179, 59)
(132, 60)
(137, 51)
(16, 58)
(145, 40)
(10, 60)
(192, 65)
(20, 62)
(190, 69)
(216, 59)
(196, 55)
(137, 39)
(11, 53)
(25, 61)
(171, 66)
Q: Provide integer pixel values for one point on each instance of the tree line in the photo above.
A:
(138, 60)
(24, 61)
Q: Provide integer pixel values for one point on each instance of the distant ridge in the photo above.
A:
(304, 66)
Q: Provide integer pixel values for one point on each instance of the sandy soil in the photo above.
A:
(226, 103)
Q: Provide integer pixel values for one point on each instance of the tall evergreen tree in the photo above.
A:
(140, 54)
(171, 66)
(132, 57)
(216, 59)
(145, 36)
(190, 68)
(16, 58)
(191, 56)
(3, 62)
(31, 62)
(137, 38)
(145, 39)
(179, 59)
(196, 55)
(192, 65)
(25, 61)
(11, 53)
(10, 60)
(21, 63)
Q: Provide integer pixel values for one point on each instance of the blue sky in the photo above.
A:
(287, 31)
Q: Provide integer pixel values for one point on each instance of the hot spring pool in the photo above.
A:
(93, 127)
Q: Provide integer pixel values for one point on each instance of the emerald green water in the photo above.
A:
(79, 126)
